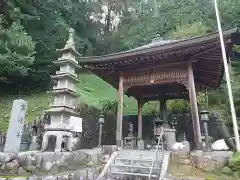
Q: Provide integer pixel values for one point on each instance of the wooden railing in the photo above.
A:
(107, 166)
(156, 160)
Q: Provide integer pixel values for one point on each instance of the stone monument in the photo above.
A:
(15, 128)
(64, 94)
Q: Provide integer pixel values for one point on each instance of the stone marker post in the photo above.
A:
(170, 137)
(15, 128)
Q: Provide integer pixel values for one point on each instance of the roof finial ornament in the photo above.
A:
(70, 42)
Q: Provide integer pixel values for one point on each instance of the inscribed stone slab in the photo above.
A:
(15, 127)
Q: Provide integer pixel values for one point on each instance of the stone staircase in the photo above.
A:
(136, 164)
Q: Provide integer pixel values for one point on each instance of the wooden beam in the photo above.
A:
(155, 77)
(216, 46)
(98, 68)
(156, 98)
(154, 65)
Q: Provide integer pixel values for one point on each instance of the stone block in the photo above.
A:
(208, 161)
(18, 178)
(85, 174)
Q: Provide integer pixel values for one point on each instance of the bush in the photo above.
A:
(234, 162)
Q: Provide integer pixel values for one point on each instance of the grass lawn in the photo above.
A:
(185, 171)
(36, 104)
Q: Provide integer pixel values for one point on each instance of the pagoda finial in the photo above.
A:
(70, 42)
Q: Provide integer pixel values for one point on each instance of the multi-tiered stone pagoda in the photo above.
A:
(64, 121)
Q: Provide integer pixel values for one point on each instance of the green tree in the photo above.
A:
(16, 51)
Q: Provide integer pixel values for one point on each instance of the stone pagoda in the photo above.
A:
(64, 124)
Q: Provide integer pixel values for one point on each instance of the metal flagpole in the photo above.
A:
(233, 113)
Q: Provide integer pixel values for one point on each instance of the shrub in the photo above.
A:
(234, 162)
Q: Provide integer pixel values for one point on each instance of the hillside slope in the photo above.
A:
(36, 104)
(92, 91)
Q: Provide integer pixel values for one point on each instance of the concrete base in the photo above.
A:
(119, 143)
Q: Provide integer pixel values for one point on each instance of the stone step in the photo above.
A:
(134, 159)
(134, 174)
(130, 168)
(143, 156)
(135, 167)
(137, 160)
(139, 152)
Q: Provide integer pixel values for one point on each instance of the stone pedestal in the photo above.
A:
(130, 142)
(170, 138)
(140, 144)
(59, 140)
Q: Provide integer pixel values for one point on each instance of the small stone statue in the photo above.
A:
(154, 130)
(130, 127)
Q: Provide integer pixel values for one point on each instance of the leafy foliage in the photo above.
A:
(16, 51)
(234, 162)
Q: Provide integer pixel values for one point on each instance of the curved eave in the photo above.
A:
(69, 49)
(63, 91)
(66, 61)
(160, 48)
(64, 75)
(61, 109)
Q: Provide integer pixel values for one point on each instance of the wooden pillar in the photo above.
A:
(194, 108)
(120, 112)
(140, 105)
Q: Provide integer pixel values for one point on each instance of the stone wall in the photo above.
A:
(40, 163)
(26, 163)
(84, 174)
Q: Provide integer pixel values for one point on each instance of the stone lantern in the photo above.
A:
(130, 140)
(158, 131)
(204, 116)
(100, 122)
